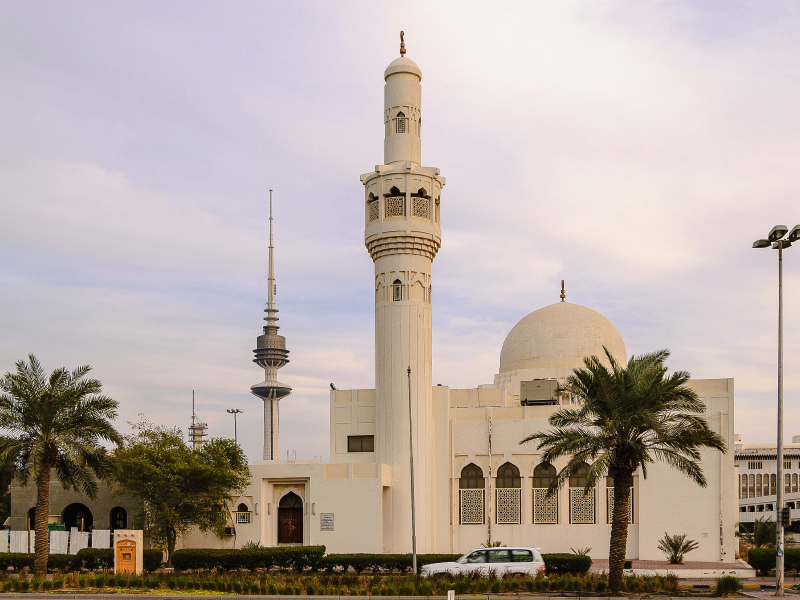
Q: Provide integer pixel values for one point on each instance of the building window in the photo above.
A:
(397, 291)
(787, 464)
(794, 482)
(759, 490)
(773, 484)
(508, 494)
(430, 291)
(437, 210)
(787, 483)
(401, 123)
(471, 495)
(545, 508)
(361, 443)
(395, 206)
(420, 205)
(119, 518)
(242, 514)
(754, 464)
(581, 502)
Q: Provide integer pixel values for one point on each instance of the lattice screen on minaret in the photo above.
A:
(581, 506)
(395, 206)
(472, 506)
(373, 210)
(421, 208)
(545, 509)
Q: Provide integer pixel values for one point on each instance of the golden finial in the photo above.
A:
(402, 45)
(562, 291)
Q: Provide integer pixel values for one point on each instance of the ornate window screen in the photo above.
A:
(437, 211)
(421, 208)
(401, 123)
(508, 505)
(242, 517)
(397, 291)
(545, 510)
(373, 210)
(395, 206)
(472, 506)
(581, 506)
(610, 506)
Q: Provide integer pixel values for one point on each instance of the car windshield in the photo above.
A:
(479, 556)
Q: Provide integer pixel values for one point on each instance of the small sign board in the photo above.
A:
(326, 521)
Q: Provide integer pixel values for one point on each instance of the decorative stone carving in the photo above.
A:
(472, 506)
(581, 506)
(508, 505)
(395, 206)
(373, 210)
(421, 208)
(545, 510)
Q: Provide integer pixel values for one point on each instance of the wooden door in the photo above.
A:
(290, 525)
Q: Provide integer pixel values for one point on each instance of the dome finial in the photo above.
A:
(562, 291)
(402, 45)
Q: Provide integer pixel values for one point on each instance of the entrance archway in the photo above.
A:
(32, 518)
(77, 515)
(290, 519)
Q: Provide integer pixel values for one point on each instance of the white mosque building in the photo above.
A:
(473, 480)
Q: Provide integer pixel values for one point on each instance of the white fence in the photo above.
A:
(61, 542)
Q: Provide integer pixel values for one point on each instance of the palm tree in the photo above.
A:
(627, 418)
(55, 423)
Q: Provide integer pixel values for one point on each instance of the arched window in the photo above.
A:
(759, 491)
(773, 481)
(421, 204)
(119, 518)
(508, 476)
(242, 513)
(578, 478)
(32, 518)
(543, 475)
(401, 123)
(471, 477)
(471, 495)
(395, 203)
(508, 494)
(397, 291)
(581, 503)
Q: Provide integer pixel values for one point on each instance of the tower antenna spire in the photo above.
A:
(271, 276)
(402, 45)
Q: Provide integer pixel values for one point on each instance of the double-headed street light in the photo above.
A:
(234, 412)
(776, 241)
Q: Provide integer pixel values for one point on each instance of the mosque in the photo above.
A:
(473, 482)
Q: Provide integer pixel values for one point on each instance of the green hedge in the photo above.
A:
(560, 564)
(18, 560)
(372, 562)
(103, 558)
(286, 557)
(763, 559)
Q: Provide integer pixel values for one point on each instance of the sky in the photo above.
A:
(635, 150)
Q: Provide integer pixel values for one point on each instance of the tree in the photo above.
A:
(763, 533)
(627, 418)
(56, 423)
(179, 487)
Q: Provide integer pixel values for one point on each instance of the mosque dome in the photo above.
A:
(560, 336)
(402, 65)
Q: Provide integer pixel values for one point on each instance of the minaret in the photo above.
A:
(403, 235)
(271, 354)
(197, 430)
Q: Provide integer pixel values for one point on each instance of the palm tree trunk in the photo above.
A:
(42, 543)
(619, 529)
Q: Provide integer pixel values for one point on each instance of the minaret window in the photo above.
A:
(397, 291)
(395, 204)
(420, 205)
(436, 216)
(401, 123)
(372, 208)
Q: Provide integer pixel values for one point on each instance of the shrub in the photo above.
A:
(47, 585)
(82, 582)
(763, 559)
(25, 585)
(557, 564)
(601, 586)
(676, 547)
(58, 583)
(728, 585)
(285, 557)
(152, 559)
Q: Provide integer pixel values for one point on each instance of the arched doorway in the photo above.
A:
(77, 515)
(31, 518)
(119, 518)
(290, 519)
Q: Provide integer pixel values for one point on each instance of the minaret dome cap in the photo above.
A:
(402, 65)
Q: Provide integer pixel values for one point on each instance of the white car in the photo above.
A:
(499, 561)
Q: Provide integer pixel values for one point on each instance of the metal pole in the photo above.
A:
(235, 437)
(413, 512)
(779, 525)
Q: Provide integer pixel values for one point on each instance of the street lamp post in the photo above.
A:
(234, 412)
(776, 241)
